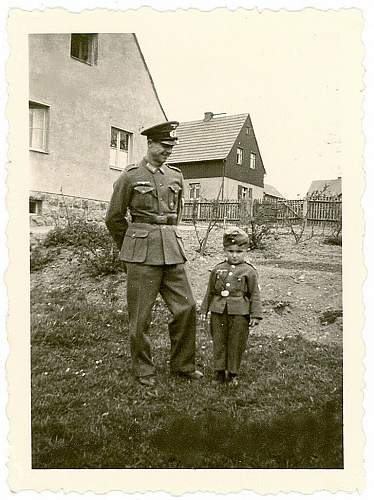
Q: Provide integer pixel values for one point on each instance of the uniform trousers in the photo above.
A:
(144, 282)
(230, 336)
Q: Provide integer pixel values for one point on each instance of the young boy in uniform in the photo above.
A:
(233, 297)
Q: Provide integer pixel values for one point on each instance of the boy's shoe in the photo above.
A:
(219, 377)
(232, 379)
(194, 375)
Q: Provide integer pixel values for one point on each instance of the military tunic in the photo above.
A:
(232, 296)
(152, 247)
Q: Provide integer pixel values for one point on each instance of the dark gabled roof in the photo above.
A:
(329, 187)
(207, 140)
(271, 191)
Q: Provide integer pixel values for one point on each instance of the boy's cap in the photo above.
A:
(235, 236)
(163, 132)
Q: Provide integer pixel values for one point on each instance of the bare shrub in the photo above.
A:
(257, 221)
(91, 243)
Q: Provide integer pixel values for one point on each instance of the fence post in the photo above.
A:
(305, 211)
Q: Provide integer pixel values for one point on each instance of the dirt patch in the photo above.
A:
(304, 280)
(280, 307)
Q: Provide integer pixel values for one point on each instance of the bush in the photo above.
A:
(61, 236)
(92, 244)
(74, 233)
(259, 230)
(257, 224)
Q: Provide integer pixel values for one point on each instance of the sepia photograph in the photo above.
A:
(190, 201)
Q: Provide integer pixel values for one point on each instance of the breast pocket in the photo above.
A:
(143, 197)
(173, 196)
(238, 284)
(135, 245)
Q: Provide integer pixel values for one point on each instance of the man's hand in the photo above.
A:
(254, 322)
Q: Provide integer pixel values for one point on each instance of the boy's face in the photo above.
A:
(235, 254)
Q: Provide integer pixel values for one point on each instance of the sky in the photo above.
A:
(298, 75)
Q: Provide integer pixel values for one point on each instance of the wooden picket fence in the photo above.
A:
(321, 211)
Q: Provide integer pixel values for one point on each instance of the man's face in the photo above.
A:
(235, 254)
(158, 153)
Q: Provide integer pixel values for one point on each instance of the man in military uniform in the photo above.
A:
(151, 245)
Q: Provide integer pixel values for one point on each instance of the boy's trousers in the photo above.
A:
(230, 335)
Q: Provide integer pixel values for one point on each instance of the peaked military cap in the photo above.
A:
(163, 132)
(235, 236)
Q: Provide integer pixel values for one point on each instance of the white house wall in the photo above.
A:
(210, 187)
(85, 102)
(231, 189)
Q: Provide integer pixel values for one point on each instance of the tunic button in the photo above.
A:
(228, 284)
(230, 273)
(232, 265)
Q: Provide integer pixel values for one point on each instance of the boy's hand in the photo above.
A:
(254, 322)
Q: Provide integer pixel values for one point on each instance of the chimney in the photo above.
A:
(208, 115)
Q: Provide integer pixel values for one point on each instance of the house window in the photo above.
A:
(247, 130)
(239, 156)
(244, 192)
(194, 190)
(35, 207)
(120, 148)
(83, 47)
(252, 161)
(38, 126)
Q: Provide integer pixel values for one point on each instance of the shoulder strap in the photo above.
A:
(174, 168)
(132, 166)
(251, 265)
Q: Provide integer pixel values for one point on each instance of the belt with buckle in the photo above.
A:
(169, 220)
(226, 293)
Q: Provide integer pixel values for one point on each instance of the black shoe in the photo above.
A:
(219, 377)
(195, 375)
(232, 379)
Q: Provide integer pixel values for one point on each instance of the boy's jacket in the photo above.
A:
(235, 287)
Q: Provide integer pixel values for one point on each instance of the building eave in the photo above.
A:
(149, 74)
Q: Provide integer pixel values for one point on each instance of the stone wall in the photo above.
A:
(57, 209)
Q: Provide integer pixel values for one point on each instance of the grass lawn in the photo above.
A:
(87, 411)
